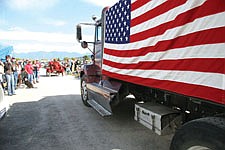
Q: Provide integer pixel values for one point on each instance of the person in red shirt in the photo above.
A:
(29, 70)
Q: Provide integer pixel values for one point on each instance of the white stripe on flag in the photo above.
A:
(132, 1)
(208, 22)
(190, 77)
(145, 8)
(166, 17)
(200, 51)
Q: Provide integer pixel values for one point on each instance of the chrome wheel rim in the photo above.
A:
(199, 148)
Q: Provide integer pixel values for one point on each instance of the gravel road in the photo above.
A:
(52, 117)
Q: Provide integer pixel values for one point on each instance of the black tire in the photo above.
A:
(204, 134)
(84, 92)
(48, 74)
(120, 96)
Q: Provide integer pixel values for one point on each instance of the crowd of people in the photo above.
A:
(13, 73)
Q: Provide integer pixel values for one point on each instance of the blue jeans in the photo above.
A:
(30, 77)
(10, 84)
(36, 75)
(15, 78)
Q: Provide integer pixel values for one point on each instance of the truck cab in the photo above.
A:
(97, 90)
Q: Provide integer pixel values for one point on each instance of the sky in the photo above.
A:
(46, 25)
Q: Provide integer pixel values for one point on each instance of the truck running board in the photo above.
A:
(101, 110)
(100, 98)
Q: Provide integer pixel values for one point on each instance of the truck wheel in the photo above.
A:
(84, 92)
(200, 134)
(48, 74)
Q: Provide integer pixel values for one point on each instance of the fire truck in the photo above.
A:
(170, 56)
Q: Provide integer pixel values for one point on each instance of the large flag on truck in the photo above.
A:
(174, 45)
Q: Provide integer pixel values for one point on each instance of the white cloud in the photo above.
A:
(37, 36)
(27, 41)
(3, 21)
(21, 34)
(26, 47)
(57, 23)
(54, 22)
(31, 4)
(17, 29)
(102, 3)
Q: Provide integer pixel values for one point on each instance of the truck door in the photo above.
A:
(98, 48)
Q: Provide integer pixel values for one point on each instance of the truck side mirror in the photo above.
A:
(79, 33)
(84, 44)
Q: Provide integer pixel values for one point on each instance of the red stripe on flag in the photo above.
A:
(138, 4)
(168, 5)
(208, 8)
(200, 65)
(210, 36)
(212, 94)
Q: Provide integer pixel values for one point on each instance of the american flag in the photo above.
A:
(173, 45)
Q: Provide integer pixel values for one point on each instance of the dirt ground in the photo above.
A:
(51, 116)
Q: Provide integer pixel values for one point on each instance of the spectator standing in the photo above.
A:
(15, 71)
(1, 73)
(29, 70)
(24, 63)
(9, 76)
(77, 67)
(34, 70)
(67, 66)
(37, 67)
(71, 65)
(19, 68)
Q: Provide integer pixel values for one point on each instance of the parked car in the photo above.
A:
(4, 105)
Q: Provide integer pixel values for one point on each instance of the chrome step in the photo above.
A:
(101, 110)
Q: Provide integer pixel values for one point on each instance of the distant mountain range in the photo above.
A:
(47, 55)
